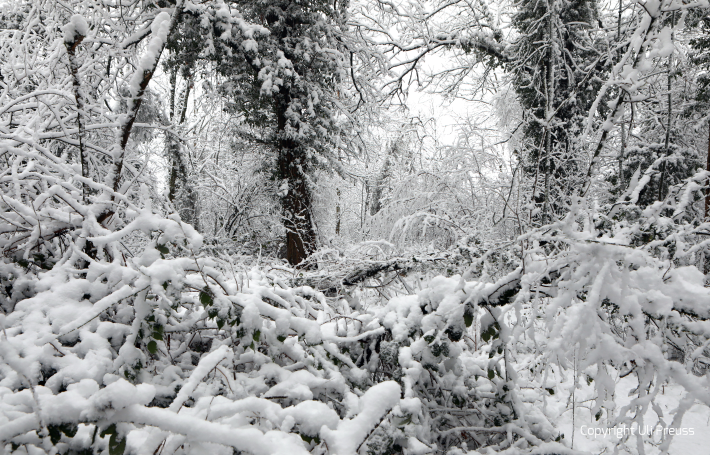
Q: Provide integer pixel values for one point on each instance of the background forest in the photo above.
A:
(367, 227)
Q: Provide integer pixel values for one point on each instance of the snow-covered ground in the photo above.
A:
(695, 427)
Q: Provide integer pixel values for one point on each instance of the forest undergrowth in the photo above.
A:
(182, 352)
(276, 295)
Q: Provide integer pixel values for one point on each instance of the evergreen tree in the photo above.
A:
(286, 82)
(555, 65)
(700, 44)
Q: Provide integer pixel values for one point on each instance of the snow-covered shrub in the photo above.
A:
(171, 351)
(121, 334)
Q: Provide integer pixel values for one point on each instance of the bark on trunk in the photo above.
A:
(337, 213)
(381, 180)
(707, 190)
(549, 113)
(76, 83)
(661, 189)
(706, 268)
(180, 192)
(296, 203)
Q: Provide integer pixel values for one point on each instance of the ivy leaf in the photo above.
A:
(550, 391)
(153, 347)
(55, 431)
(158, 332)
(54, 434)
(206, 298)
(257, 335)
(69, 429)
(491, 374)
(468, 318)
(110, 430)
(116, 447)
(162, 248)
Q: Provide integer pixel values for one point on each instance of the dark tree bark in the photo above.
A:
(76, 83)
(337, 213)
(707, 190)
(296, 203)
(180, 191)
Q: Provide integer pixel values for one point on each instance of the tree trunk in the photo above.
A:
(707, 190)
(76, 82)
(549, 109)
(178, 184)
(337, 213)
(706, 265)
(661, 184)
(296, 203)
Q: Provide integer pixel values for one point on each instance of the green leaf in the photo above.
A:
(55, 431)
(110, 430)
(491, 374)
(309, 439)
(550, 391)
(281, 338)
(116, 447)
(205, 298)
(153, 347)
(162, 248)
(598, 415)
(257, 335)
(54, 434)
(69, 429)
(158, 332)
(468, 318)
(220, 323)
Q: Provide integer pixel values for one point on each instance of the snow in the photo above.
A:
(593, 436)
(599, 319)
(250, 440)
(352, 432)
(665, 38)
(159, 35)
(207, 364)
(75, 28)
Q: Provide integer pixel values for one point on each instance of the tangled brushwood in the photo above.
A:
(123, 333)
(165, 350)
